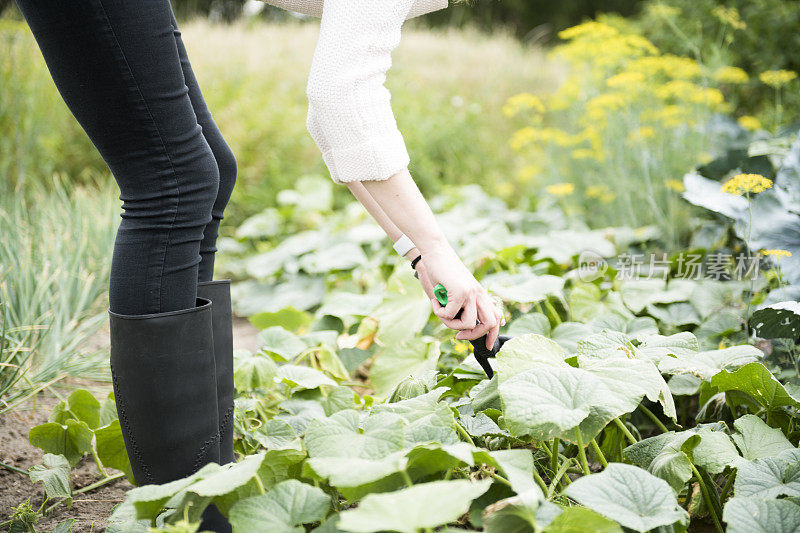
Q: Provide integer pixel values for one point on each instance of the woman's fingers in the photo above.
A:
(488, 324)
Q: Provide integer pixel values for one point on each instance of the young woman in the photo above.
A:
(122, 69)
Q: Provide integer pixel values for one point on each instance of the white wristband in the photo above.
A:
(403, 245)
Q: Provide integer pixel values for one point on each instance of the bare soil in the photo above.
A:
(90, 510)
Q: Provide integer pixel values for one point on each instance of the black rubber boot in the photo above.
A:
(219, 292)
(165, 389)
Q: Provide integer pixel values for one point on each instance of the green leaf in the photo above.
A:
(284, 508)
(278, 341)
(517, 514)
(339, 399)
(288, 318)
(629, 495)
(770, 477)
(656, 348)
(755, 515)
(253, 371)
(639, 293)
(71, 440)
(396, 361)
(756, 380)
(276, 434)
(528, 351)
(567, 335)
(402, 314)
(304, 377)
(632, 379)
(111, 448)
(666, 456)
(417, 507)
(427, 419)
(580, 520)
(347, 305)
(548, 401)
(756, 439)
(707, 364)
(606, 344)
(674, 315)
(83, 406)
(526, 288)
(778, 321)
(350, 453)
(715, 451)
(529, 323)
(54, 475)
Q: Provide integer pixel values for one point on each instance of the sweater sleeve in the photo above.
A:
(349, 109)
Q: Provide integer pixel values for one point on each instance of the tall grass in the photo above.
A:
(55, 246)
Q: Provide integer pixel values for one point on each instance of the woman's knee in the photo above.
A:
(228, 168)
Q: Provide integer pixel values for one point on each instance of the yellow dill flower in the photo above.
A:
(729, 16)
(663, 10)
(592, 29)
(749, 123)
(522, 138)
(746, 184)
(526, 173)
(584, 153)
(504, 189)
(731, 75)
(625, 79)
(561, 189)
(461, 348)
(600, 192)
(777, 253)
(522, 102)
(707, 96)
(777, 78)
(675, 185)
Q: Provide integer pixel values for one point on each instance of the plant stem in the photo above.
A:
(499, 478)
(87, 488)
(407, 478)
(599, 453)
(261, 488)
(14, 469)
(463, 433)
(582, 453)
(554, 456)
(539, 480)
(557, 478)
(727, 488)
(707, 498)
(549, 306)
(654, 418)
(628, 435)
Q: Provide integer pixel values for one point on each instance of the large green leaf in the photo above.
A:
(581, 520)
(428, 420)
(715, 451)
(756, 515)
(528, 351)
(403, 312)
(529, 323)
(518, 514)
(548, 401)
(778, 321)
(756, 380)
(304, 377)
(526, 288)
(396, 361)
(707, 364)
(756, 439)
(667, 456)
(283, 344)
(770, 477)
(54, 475)
(606, 344)
(632, 379)
(347, 305)
(72, 439)
(111, 448)
(639, 293)
(655, 348)
(284, 508)
(253, 371)
(567, 335)
(80, 405)
(426, 505)
(629, 495)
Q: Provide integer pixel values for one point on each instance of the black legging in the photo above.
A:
(122, 69)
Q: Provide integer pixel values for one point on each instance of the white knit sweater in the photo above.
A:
(349, 110)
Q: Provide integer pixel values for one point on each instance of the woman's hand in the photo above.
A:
(464, 293)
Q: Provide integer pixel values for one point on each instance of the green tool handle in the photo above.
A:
(482, 353)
